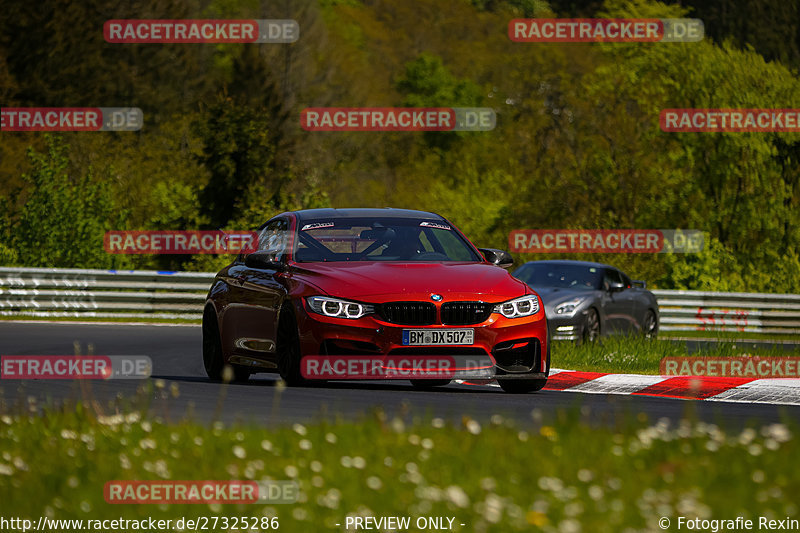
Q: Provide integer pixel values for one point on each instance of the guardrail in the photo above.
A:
(745, 312)
(62, 293)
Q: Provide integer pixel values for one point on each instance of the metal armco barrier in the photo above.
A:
(744, 312)
(61, 293)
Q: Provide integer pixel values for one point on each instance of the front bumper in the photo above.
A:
(515, 348)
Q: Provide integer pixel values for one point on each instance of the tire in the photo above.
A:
(429, 383)
(650, 325)
(213, 360)
(522, 386)
(288, 348)
(591, 326)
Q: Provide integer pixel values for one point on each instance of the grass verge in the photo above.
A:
(637, 355)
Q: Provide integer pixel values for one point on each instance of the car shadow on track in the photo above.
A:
(399, 385)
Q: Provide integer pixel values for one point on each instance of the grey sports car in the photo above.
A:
(584, 300)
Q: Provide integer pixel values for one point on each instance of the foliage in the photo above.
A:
(64, 217)
(238, 153)
(586, 474)
(577, 142)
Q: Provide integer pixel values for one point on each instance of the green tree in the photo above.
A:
(428, 83)
(64, 216)
(239, 153)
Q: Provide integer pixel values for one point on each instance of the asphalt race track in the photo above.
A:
(175, 352)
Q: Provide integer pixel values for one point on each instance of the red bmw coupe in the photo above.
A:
(371, 294)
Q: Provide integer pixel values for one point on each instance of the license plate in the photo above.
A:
(433, 337)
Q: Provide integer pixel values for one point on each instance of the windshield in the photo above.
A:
(380, 239)
(539, 275)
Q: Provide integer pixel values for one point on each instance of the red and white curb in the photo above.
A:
(779, 391)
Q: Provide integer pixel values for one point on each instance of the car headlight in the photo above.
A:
(519, 307)
(336, 308)
(568, 307)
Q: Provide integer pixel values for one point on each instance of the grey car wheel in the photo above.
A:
(650, 325)
(591, 326)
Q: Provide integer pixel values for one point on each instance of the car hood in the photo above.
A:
(553, 296)
(390, 281)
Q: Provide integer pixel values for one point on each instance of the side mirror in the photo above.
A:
(500, 258)
(639, 283)
(263, 260)
(616, 287)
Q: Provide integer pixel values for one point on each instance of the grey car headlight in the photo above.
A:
(518, 307)
(568, 307)
(337, 308)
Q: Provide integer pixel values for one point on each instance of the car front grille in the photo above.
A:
(408, 313)
(463, 313)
